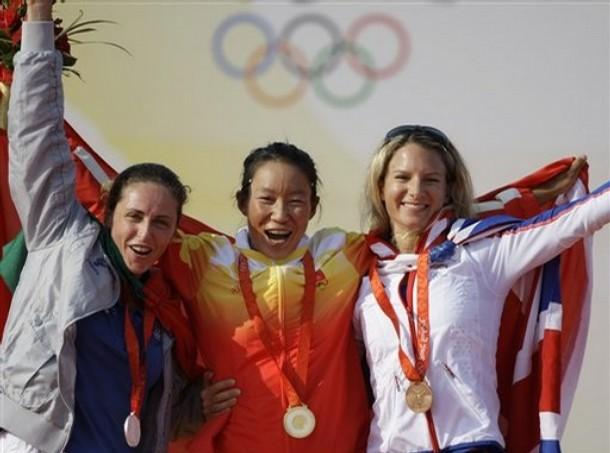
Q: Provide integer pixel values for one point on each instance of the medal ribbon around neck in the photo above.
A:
(421, 347)
(270, 339)
(137, 367)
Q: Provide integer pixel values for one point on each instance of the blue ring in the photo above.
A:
(219, 36)
(324, 67)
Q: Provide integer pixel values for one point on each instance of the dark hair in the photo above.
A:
(279, 152)
(146, 172)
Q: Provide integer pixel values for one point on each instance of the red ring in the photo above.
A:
(404, 46)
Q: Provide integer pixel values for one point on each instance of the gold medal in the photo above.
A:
(132, 430)
(419, 397)
(299, 421)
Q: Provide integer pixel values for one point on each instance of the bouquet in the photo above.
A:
(12, 14)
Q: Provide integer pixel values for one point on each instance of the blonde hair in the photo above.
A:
(459, 184)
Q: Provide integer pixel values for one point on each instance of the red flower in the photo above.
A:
(11, 15)
(16, 37)
(7, 17)
(6, 76)
(62, 43)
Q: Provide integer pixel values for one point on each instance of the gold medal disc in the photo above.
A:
(419, 397)
(299, 421)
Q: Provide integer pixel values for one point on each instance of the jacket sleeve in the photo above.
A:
(41, 173)
(537, 240)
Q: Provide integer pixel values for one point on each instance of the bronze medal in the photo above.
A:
(419, 397)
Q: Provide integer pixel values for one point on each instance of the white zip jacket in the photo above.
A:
(466, 297)
(66, 277)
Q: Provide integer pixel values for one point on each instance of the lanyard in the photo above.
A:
(420, 338)
(137, 359)
(271, 339)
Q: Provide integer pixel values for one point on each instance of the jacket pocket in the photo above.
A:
(462, 392)
(31, 364)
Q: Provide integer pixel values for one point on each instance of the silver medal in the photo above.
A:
(132, 430)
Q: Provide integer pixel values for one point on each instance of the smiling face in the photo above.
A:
(143, 224)
(414, 188)
(278, 209)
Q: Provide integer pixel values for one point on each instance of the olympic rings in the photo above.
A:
(402, 37)
(358, 96)
(326, 66)
(325, 61)
(219, 37)
(252, 86)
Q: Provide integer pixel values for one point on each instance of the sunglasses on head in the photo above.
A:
(408, 129)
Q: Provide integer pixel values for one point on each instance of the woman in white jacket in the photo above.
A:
(429, 311)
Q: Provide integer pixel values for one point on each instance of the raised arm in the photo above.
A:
(41, 173)
(539, 239)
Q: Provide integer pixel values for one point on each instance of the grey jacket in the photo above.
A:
(66, 276)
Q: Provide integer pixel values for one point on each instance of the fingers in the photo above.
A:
(218, 397)
(560, 183)
(578, 164)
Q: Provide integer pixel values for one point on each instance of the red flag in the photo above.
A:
(9, 223)
(91, 172)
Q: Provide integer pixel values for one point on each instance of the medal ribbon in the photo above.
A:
(421, 337)
(137, 360)
(271, 339)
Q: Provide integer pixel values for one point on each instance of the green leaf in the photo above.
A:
(106, 43)
(70, 71)
(75, 31)
(68, 60)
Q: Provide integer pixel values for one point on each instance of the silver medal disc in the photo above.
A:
(132, 430)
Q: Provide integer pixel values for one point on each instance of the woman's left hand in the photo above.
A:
(561, 183)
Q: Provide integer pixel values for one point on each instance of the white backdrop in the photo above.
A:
(514, 84)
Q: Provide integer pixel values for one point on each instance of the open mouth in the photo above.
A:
(140, 250)
(277, 235)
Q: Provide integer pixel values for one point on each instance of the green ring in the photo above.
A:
(352, 99)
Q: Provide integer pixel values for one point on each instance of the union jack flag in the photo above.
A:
(544, 327)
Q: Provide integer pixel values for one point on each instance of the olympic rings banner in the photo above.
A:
(280, 48)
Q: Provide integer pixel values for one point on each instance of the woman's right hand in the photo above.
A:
(217, 397)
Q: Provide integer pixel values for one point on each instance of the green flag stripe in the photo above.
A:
(13, 259)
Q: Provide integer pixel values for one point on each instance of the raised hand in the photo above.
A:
(561, 183)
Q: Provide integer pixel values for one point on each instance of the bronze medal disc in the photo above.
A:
(419, 397)
(299, 421)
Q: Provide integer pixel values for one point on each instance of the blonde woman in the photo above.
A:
(429, 310)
